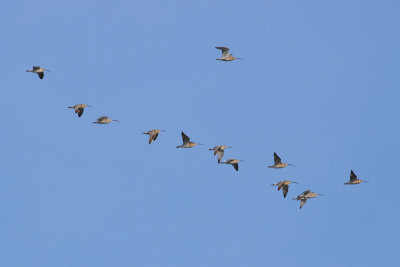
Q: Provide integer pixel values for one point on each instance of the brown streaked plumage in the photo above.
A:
(38, 70)
(153, 134)
(186, 143)
(220, 151)
(278, 163)
(79, 108)
(104, 120)
(284, 185)
(354, 179)
(226, 56)
(306, 195)
(233, 162)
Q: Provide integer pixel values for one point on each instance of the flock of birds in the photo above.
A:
(187, 143)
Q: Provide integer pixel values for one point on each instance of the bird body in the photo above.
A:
(153, 134)
(306, 195)
(79, 108)
(104, 120)
(354, 179)
(186, 143)
(278, 163)
(233, 162)
(220, 151)
(284, 185)
(38, 70)
(226, 56)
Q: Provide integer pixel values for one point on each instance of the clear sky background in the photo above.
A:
(319, 85)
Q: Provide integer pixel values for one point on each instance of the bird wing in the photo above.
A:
(40, 74)
(225, 50)
(79, 111)
(102, 118)
(220, 155)
(280, 185)
(153, 137)
(285, 189)
(215, 150)
(305, 193)
(185, 138)
(303, 201)
(353, 176)
(236, 166)
(277, 159)
(36, 67)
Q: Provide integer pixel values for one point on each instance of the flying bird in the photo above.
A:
(153, 134)
(284, 185)
(220, 151)
(226, 56)
(104, 120)
(278, 163)
(186, 143)
(306, 195)
(354, 179)
(233, 162)
(79, 108)
(39, 71)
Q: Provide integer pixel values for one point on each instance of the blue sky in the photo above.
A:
(319, 85)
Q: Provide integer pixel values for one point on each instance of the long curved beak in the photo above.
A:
(290, 164)
(116, 120)
(47, 70)
(295, 182)
(365, 182)
(163, 131)
(89, 106)
(242, 161)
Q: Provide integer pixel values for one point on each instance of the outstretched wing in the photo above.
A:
(79, 111)
(153, 137)
(285, 189)
(36, 67)
(220, 155)
(303, 201)
(225, 50)
(236, 166)
(280, 185)
(216, 149)
(277, 159)
(40, 74)
(185, 138)
(353, 176)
